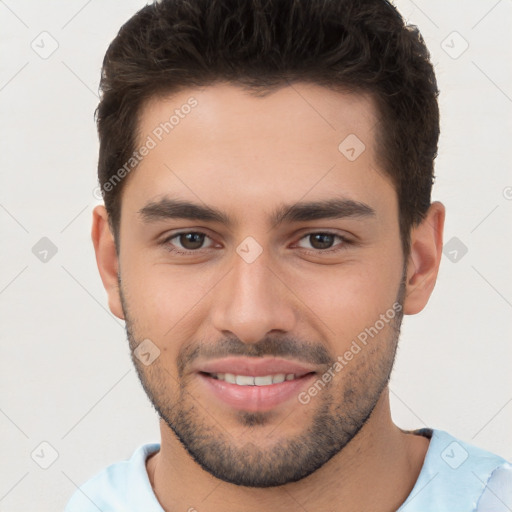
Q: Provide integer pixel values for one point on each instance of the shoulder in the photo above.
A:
(456, 475)
(119, 486)
(497, 495)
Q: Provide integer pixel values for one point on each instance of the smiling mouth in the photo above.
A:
(248, 380)
(264, 389)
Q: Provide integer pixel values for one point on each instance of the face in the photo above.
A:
(261, 268)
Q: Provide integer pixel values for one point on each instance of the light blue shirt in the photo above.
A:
(455, 477)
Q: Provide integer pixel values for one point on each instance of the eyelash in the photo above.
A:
(342, 245)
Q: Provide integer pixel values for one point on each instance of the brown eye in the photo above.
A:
(323, 242)
(191, 241)
(186, 241)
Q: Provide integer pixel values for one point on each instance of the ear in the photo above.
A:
(424, 259)
(106, 258)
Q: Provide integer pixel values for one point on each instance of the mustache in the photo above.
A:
(287, 348)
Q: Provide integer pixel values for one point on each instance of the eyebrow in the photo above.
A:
(335, 208)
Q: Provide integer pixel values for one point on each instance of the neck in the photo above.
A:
(375, 471)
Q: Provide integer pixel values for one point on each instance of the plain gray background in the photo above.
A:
(66, 377)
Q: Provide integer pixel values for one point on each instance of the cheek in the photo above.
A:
(163, 299)
(351, 297)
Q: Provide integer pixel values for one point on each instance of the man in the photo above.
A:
(266, 168)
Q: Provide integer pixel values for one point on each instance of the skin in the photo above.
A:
(245, 156)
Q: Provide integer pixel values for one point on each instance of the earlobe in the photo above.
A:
(106, 258)
(424, 259)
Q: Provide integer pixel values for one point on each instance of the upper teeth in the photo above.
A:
(247, 380)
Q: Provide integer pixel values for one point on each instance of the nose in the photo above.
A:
(253, 300)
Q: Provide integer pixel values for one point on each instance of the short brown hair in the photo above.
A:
(261, 45)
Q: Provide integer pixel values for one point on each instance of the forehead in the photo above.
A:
(220, 144)
(299, 111)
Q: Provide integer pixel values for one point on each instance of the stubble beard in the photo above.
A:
(337, 415)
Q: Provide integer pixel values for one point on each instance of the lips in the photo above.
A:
(248, 380)
(255, 366)
(254, 384)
